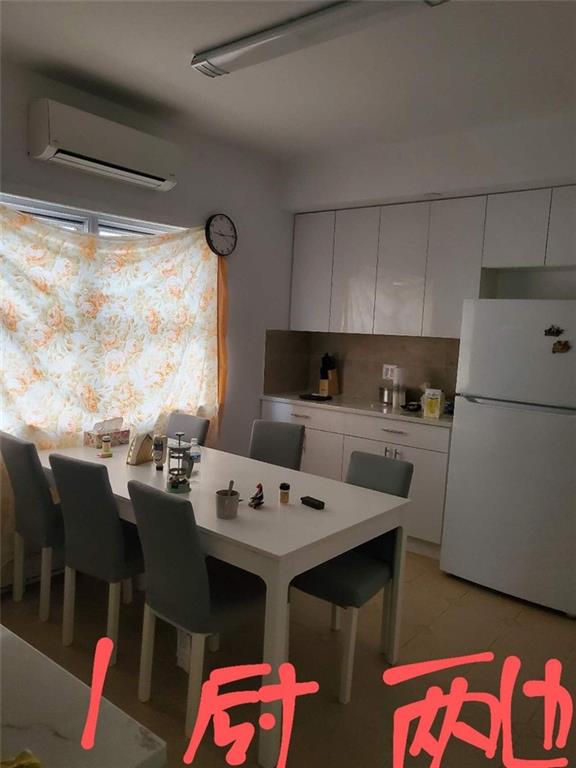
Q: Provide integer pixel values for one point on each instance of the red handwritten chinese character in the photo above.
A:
(214, 706)
(557, 700)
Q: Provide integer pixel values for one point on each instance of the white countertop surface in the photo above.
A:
(44, 709)
(363, 407)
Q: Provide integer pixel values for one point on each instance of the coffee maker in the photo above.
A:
(392, 391)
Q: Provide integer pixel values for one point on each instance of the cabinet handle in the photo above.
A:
(392, 431)
(396, 453)
(300, 416)
(385, 451)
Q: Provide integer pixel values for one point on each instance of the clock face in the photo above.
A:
(221, 234)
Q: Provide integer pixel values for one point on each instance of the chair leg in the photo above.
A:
(195, 674)
(114, 594)
(147, 653)
(18, 579)
(214, 642)
(386, 610)
(68, 611)
(45, 583)
(335, 618)
(127, 592)
(348, 649)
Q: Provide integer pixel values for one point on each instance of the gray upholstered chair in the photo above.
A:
(277, 442)
(98, 542)
(350, 580)
(197, 594)
(38, 519)
(191, 426)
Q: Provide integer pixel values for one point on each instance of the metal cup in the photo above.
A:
(227, 504)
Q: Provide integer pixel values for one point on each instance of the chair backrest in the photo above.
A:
(38, 519)
(192, 426)
(277, 442)
(94, 536)
(176, 578)
(379, 473)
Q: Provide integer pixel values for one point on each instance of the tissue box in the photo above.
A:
(111, 427)
(117, 437)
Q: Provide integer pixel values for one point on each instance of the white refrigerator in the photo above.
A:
(510, 515)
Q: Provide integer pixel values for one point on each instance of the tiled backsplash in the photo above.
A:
(292, 362)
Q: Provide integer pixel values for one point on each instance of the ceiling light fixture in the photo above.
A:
(327, 23)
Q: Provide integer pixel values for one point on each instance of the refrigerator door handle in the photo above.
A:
(558, 410)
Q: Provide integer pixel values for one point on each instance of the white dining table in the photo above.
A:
(276, 542)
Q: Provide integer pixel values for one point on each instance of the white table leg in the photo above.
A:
(391, 642)
(274, 654)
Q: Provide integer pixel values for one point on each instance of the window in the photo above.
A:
(78, 220)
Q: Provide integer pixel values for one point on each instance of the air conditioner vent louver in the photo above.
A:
(86, 142)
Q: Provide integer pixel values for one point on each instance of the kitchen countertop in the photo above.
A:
(44, 710)
(362, 407)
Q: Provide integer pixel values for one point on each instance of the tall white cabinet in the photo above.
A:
(354, 270)
(561, 246)
(312, 271)
(454, 264)
(406, 268)
(401, 274)
(516, 229)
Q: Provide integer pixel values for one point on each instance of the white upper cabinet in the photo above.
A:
(311, 271)
(354, 270)
(561, 248)
(401, 269)
(454, 262)
(516, 229)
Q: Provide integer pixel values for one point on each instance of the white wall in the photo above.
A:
(211, 177)
(530, 153)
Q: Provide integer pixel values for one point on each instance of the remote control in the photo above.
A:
(310, 501)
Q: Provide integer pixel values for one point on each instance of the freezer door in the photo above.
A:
(510, 516)
(505, 355)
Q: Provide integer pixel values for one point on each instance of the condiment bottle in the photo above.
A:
(284, 493)
(106, 449)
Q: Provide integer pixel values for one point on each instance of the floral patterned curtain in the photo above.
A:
(94, 328)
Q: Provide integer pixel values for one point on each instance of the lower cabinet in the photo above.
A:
(322, 453)
(426, 507)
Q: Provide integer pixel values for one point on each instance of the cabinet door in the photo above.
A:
(322, 454)
(312, 271)
(401, 269)
(453, 267)
(354, 273)
(561, 248)
(516, 229)
(426, 509)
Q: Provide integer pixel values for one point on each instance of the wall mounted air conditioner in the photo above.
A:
(68, 136)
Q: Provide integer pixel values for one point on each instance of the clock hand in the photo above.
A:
(222, 234)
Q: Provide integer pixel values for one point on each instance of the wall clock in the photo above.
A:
(221, 234)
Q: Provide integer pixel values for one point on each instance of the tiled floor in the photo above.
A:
(443, 616)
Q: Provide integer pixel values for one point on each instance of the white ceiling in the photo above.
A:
(434, 71)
